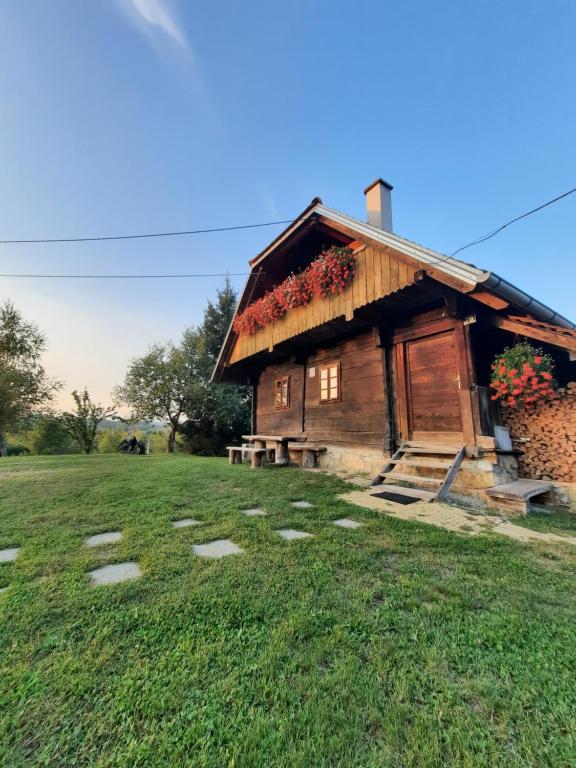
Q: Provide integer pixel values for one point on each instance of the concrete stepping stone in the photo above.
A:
(301, 504)
(254, 512)
(9, 555)
(3, 589)
(110, 537)
(290, 534)
(218, 548)
(115, 573)
(185, 522)
(346, 522)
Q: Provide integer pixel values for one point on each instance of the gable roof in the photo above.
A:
(450, 267)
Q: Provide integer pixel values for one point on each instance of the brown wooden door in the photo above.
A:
(433, 388)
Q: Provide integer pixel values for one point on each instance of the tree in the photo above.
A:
(217, 414)
(24, 385)
(50, 436)
(172, 382)
(155, 385)
(217, 319)
(83, 424)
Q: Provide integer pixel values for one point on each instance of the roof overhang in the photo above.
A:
(466, 277)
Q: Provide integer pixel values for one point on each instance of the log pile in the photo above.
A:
(546, 436)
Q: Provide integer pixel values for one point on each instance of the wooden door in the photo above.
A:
(433, 388)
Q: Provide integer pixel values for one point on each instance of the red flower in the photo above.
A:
(329, 274)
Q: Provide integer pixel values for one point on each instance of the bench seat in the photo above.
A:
(235, 454)
(309, 451)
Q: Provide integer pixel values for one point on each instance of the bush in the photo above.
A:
(17, 450)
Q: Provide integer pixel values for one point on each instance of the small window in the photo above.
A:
(282, 392)
(329, 382)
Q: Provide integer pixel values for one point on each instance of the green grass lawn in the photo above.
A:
(397, 644)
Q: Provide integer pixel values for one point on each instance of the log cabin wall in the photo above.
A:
(360, 416)
(279, 421)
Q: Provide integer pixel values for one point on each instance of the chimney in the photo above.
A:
(379, 204)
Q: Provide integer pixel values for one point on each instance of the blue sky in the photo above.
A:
(144, 115)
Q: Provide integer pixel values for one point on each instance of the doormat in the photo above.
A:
(397, 498)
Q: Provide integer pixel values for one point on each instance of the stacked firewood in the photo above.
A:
(546, 435)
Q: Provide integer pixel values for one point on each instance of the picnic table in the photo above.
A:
(276, 443)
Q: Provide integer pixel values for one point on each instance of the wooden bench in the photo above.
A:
(309, 451)
(235, 455)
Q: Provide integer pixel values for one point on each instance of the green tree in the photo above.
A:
(217, 414)
(82, 425)
(155, 387)
(24, 385)
(217, 319)
(172, 382)
(50, 436)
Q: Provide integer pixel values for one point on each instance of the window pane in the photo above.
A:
(324, 374)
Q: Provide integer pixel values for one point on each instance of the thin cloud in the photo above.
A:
(157, 13)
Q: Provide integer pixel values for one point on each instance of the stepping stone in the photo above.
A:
(301, 504)
(346, 522)
(113, 574)
(111, 537)
(3, 589)
(254, 512)
(9, 555)
(185, 522)
(218, 548)
(289, 534)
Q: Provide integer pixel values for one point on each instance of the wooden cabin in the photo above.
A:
(403, 353)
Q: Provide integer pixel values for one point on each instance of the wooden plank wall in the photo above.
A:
(274, 421)
(360, 418)
(379, 273)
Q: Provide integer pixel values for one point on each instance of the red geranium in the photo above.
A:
(536, 384)
(327, 275)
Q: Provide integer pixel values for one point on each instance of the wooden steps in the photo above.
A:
(410, 478)
(430, 463)
(444, 449)
(417, 455)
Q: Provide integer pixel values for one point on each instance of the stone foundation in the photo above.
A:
(358, 461)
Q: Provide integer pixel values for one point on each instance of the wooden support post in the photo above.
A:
(466, 407)
(308, 459)
(281, 454)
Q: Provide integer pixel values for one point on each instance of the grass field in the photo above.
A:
(397, 644)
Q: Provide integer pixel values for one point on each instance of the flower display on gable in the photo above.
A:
(329, 274)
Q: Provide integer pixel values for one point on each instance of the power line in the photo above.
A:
(130, 277)
(512, 221)
(100, 238)
(227, 229)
